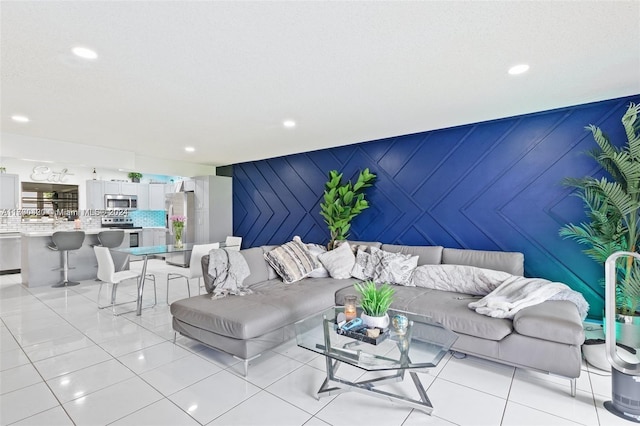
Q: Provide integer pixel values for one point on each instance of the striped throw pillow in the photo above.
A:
(292, 261)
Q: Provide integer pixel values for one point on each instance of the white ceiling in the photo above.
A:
(222, 76)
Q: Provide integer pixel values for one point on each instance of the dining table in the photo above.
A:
(149, 251)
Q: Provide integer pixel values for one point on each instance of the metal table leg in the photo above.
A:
(141, 284)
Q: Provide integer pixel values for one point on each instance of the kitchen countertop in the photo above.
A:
(92, 231)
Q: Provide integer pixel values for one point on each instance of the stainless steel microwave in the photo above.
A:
(120, 202)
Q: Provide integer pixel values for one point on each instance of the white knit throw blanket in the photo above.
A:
(517, 293)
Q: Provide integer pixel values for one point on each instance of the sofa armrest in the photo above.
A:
(554, 320)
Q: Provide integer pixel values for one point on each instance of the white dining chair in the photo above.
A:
(107, 274)
(195, 268)
(233, 243)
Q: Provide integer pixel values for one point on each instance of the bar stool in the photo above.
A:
(65, 241)
(111, 239)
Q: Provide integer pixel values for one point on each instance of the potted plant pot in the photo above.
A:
(375, 322)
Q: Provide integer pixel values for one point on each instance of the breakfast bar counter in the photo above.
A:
(42, 266)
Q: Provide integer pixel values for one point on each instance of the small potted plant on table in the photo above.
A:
(375, 303)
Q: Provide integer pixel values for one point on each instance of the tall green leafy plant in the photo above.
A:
(612, 205)
(343, 202)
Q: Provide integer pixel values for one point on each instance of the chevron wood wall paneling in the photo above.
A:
(492, 186)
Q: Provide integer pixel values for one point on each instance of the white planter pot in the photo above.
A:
(371, 322)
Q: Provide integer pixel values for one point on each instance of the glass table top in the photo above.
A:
(423, 345)
(164, 249)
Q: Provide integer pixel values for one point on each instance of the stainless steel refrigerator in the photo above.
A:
(183, 204)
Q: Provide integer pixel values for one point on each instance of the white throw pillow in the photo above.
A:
(339, 262)
(393, 268)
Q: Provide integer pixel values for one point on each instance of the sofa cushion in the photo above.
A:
(257, 266)
(272, 272)
(427, 255)
(292, 261)
(272, 305)
(339, 261)
(554, 320)
(511, 262)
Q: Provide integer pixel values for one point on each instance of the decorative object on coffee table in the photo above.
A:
(375, 303)
(400, 324)
(350, 310)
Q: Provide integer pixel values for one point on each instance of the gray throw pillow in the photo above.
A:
(393, 268)
(363, 268)
(292, 261)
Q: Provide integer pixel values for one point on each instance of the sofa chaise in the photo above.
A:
(546, 337)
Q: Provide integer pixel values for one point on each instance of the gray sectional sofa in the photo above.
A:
(546, 337)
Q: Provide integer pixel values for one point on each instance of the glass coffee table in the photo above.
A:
(422, 346)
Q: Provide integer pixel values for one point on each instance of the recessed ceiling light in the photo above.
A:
(289, 124)
(84, 52)
(189, 149)
(20, 118)
(518, 69)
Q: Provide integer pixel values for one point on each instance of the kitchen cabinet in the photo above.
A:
(213, 208)
(95, 195)
(124, 188)
(153, 237)
(143, 195)
(156, 196)
(10, 252)
(9, 191)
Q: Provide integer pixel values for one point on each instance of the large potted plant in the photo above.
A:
(612, 205)
(343, 202)
(375, 303)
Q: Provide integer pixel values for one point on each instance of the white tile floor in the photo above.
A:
(64, 362)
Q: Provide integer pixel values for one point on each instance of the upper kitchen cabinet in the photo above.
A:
(142, 191)
(123, 188)
(95, 195)
(156, 196)
(9, 191)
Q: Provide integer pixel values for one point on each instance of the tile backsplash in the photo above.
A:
(149, 218)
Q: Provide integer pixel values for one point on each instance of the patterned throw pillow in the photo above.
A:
(292, 261)
(393, 268)
(339, 261)
(315, 250)
(363, 268)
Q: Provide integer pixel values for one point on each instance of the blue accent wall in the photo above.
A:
(493, 185)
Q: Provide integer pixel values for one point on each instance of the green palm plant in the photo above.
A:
(612, 205)
(343, 202)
